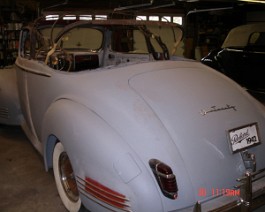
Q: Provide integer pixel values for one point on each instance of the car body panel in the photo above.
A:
(128, 108)
(10, 112)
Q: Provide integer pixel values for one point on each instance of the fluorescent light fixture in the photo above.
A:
(85, 17)
(254, 1)
(52, 17)
(69, 17)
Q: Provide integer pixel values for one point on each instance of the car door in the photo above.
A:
(24, 53)
(29, 74)
(245, 64)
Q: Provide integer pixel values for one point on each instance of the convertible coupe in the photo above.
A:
(242, 57)
(126, 125)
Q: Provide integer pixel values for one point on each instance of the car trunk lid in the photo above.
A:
(198, 107)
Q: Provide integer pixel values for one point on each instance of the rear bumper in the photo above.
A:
(251, 196)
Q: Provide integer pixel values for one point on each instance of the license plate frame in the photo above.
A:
(243, 137)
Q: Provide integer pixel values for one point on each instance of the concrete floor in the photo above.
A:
(25, 186)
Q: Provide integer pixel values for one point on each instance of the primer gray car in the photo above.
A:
(128, 126)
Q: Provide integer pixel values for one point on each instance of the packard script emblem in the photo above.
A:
(216, 109)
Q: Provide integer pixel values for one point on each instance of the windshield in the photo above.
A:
(133, 39)
(82, 39)
(87, 45)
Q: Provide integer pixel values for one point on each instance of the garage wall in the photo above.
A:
(257, 16)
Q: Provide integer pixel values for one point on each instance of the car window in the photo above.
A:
(128, 40)
(257, 39)
(134, 41)
(50, 33)
(82, 39)
(256, 42)
(139, 43)
(169, 36)
(25, 44)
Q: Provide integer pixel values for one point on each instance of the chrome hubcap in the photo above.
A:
(67, 177)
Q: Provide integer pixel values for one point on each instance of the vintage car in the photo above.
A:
(242, 57)
(126, 125)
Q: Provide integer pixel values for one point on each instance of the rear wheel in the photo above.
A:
(65, 179)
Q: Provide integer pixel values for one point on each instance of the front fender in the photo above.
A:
(97, 151)
(10, 112)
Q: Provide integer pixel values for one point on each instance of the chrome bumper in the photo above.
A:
(251, 196)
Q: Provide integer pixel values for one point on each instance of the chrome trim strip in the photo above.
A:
(119, 200)
(233, 50)
(99, 189)
(82, 191)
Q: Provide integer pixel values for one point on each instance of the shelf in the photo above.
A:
(9, 41)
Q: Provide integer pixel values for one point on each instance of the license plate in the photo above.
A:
(244, 137)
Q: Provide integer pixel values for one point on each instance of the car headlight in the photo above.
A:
(165, 178)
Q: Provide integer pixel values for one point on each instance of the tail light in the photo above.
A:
(165, 178)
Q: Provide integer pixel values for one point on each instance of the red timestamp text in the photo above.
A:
(218, 191)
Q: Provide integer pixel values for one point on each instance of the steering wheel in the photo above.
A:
(60, 60)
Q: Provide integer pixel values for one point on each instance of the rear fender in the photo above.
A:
(96, 151)
(80, 130)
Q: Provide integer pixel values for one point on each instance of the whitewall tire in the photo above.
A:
(64, 179)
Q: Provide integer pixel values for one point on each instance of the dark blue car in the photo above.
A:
(242, 57)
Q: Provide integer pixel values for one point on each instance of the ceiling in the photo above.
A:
(140, 4)
(111, 4)
(31, 8)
